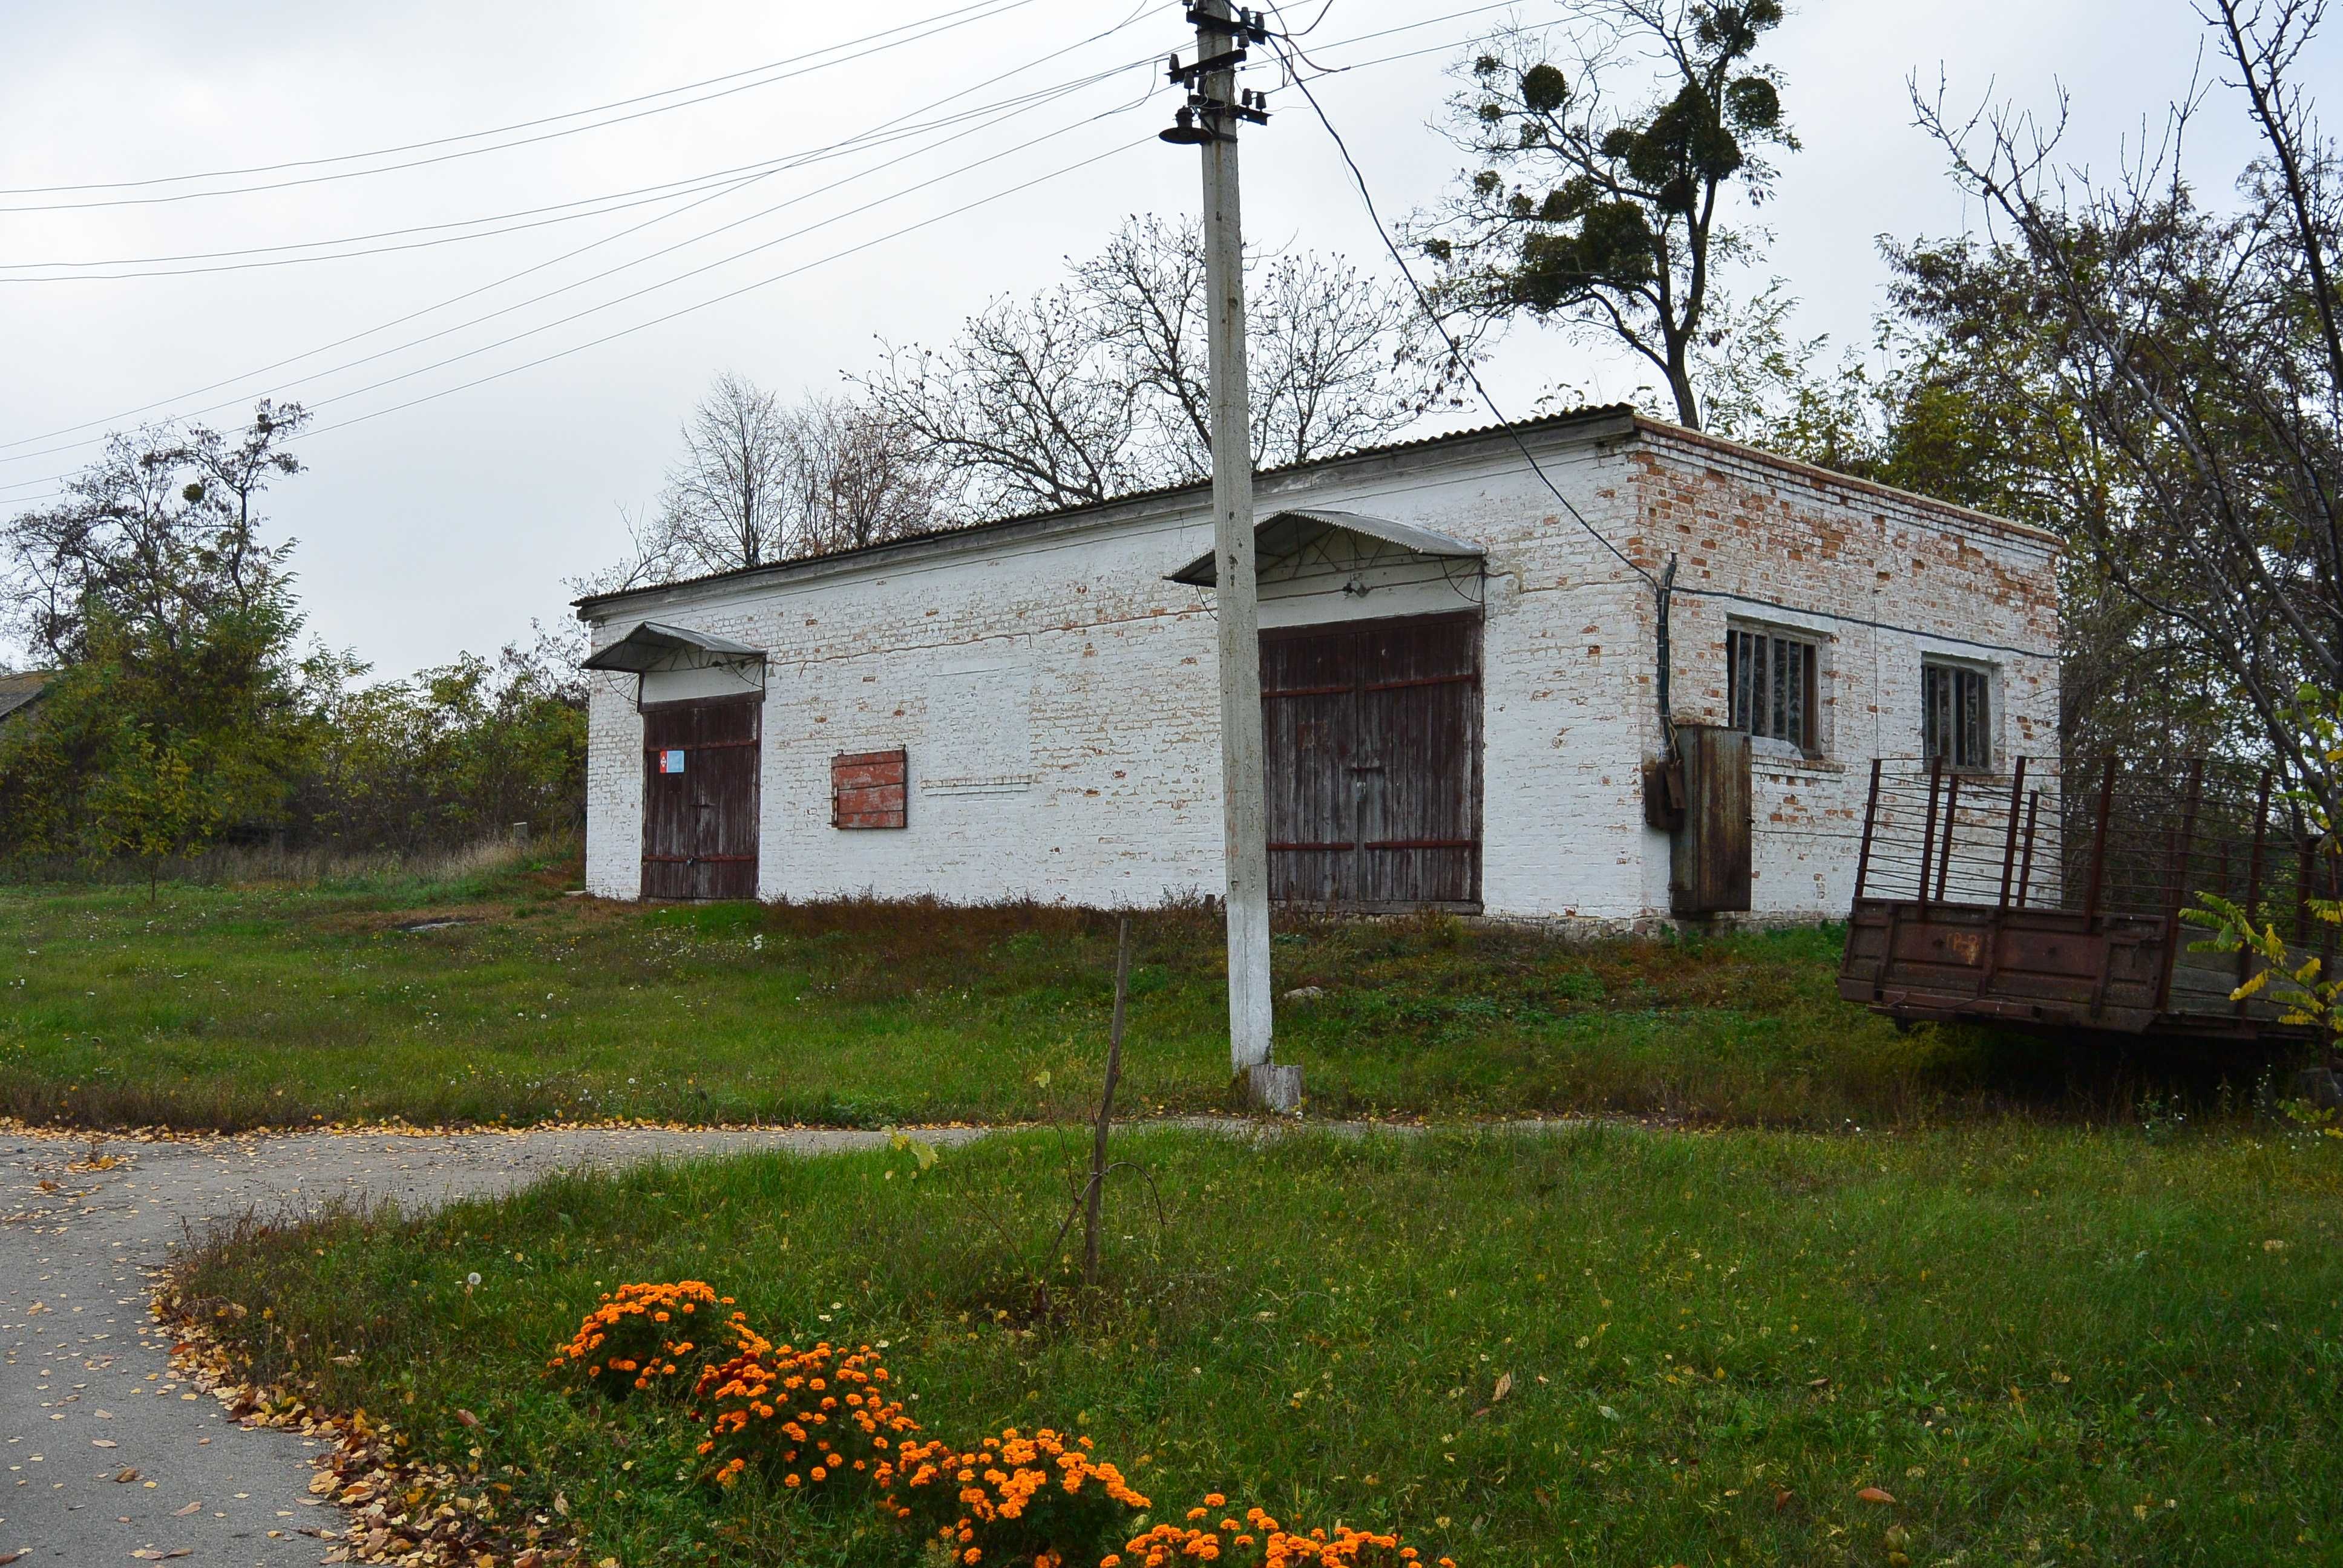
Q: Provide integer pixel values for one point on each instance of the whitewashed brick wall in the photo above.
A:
(1881, 580)
(1055, 695)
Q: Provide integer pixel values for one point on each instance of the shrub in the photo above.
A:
(642, 1337)
(1262, 1542)
(1042, 1500)
(821, 1418)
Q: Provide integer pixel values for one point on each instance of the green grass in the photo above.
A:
(2051, 1345)
(268, 1004)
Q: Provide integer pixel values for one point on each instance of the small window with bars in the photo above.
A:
(1773, 681)
(1957, 716)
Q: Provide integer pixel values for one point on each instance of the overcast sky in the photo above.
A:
(450, 523)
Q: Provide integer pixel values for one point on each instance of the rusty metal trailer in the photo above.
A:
(2015, 900)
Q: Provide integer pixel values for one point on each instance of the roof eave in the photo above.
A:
(1591, 423)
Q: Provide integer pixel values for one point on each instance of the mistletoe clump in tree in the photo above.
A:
(1603, 220)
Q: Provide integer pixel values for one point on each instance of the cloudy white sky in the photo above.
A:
(440, 514)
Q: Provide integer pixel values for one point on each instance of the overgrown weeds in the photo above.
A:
(484, 995)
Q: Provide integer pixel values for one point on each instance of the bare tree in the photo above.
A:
(1334, 360)
(1025, 408)
(1099, 385)
(855, 479)
(762, 481)
(2182, 370)
(725, 504)
(1602, 218)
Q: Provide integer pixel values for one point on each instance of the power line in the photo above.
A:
(649, 194)
(729, 180)
(1402, 27)
(746, 288)
(649, 288)
(725, 260)
(576, 283)
(996, 8)
(475, 135)
(671, 316)
(1148, 140)
(115, 419)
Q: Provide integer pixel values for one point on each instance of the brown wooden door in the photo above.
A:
(700, 797)
(1373, 745)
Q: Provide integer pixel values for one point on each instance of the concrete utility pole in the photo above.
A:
(1210, 121)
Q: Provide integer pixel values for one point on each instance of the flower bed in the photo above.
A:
(827, 1422)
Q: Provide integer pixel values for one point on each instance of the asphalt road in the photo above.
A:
(87, 1395)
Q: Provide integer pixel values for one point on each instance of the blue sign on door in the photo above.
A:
(671, 762)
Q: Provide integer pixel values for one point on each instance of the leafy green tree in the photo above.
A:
(2298, 980)
(148, 802)
(2172, 369)
(178, 710)
(1603, 218)
(149, 746)
(451, 756)
(161, 532)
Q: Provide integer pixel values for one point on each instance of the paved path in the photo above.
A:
(86, 1388)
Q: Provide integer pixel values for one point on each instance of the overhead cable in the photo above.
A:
(116, 419)
(987, 12)
(664, 283)
(729, 180)
(720, 298)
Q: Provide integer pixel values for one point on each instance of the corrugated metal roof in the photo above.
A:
(1288, 532)
(651, 642)
(18, 691)
(912, 542)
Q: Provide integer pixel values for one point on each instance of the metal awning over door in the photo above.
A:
(654, 645)
(1287, 537)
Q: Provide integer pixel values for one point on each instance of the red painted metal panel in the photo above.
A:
(870, 790)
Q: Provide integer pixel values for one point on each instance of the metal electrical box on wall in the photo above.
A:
(1709, 855)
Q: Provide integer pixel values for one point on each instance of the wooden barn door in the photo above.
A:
(700, 797)
(1372, 734)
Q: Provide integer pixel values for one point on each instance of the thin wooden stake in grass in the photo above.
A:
(1095, 1210)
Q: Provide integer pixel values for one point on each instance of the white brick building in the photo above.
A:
(1461, 719)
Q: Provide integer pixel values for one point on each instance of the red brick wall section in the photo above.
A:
(867, 789)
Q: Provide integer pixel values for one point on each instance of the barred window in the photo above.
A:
(1771, 679)
(1956, 716)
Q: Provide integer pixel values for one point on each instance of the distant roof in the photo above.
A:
(1286, 534)
(1598, 414)
(1552, 422)
(652, 643)
(18, 691)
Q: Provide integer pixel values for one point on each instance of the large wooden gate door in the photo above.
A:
(700, 797)
(1372, 734)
